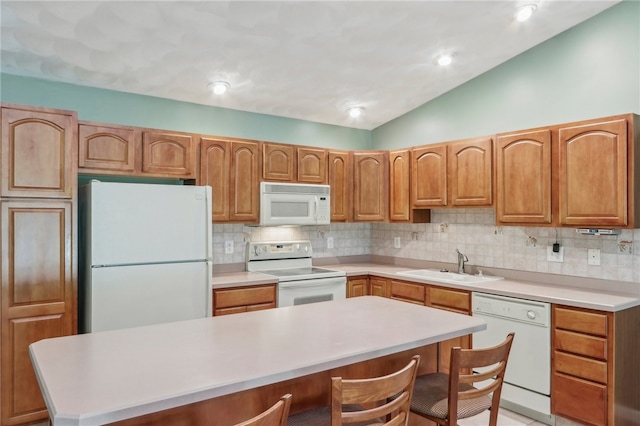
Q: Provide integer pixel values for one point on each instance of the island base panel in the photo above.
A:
(308, 392)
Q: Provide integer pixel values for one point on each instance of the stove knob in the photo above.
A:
(297, 247)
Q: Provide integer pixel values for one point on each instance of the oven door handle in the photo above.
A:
(325, 282)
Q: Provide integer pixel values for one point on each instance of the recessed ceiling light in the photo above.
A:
(219, 87)
(355, 112)
(525, 12)
(445, 59)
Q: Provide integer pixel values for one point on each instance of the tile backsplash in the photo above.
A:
(472, 231)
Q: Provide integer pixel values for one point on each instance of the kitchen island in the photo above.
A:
(223, 370)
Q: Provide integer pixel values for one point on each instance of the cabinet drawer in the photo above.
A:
(229, 311)
(581, 321)
(261, 306)
(456, 300)
(407, 291)
(579, 400)
(578, 366)
(581, 344)
(226, 298)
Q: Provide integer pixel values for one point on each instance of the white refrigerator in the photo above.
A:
(145, 254)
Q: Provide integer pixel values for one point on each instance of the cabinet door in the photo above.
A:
(407, 292)
(370, 186)
(357, 286)
(168, 154)
(278, 162)
(378, 287)
(312, 165)
(215, 162)
(469, 167)
(399, 185)
(38, 153)
(108, 149)
(245, 182)
(593, 176)
(340, 183)
(429, 176)
(523, 178)
(38, 299)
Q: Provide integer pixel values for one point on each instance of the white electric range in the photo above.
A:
(299, 282)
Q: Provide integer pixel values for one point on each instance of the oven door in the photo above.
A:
(292, 293)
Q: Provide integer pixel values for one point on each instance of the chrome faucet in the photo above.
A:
(461, 259)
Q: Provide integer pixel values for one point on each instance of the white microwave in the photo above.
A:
(294, 204)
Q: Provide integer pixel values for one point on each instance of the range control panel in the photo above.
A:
(278, 250)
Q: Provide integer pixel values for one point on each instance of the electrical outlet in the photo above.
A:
(330, 242)
(228, 247)
(396, 242)
(553, 256)
(593, 256)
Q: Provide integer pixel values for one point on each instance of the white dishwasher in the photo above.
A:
(527, 384)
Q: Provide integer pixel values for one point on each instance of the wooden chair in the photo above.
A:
(387, 400)
(446, 398)
(275, 416)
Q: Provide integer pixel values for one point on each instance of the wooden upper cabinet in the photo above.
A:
(312, 165)
(593, 173)
(107, 149)
(231, 167)
(523, 178)
(470, 171)
(429, 176)
(399, 185)
(245, 182)
(215, 163)
(168, 154)
(278, 162)
(39, 152)
(370, 185)
(340, 183)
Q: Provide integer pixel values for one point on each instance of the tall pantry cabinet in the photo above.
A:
(38, 244)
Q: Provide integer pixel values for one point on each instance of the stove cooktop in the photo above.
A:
(312, 272)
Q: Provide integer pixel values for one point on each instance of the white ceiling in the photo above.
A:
(308, 60)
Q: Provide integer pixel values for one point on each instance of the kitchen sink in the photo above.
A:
(448, 277)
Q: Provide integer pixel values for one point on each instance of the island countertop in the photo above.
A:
(104, 377)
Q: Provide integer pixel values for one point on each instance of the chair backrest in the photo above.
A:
(275, 416)
(389, 396)
(493, 359)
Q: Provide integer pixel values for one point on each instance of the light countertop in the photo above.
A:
(98, 378)
(604, 299)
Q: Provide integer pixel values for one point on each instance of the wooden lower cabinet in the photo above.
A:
(243, 299)
(595, 366)
(407, 291)
(449, 299)
(364, 285)
(38, 296)
(358, 286)
(454, 300)
(378, 287)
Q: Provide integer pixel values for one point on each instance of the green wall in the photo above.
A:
(109, 106)
(591, 70)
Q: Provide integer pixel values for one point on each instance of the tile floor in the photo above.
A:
(505, 418)
(509, 418)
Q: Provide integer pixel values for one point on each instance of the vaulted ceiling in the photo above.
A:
(308, 60)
